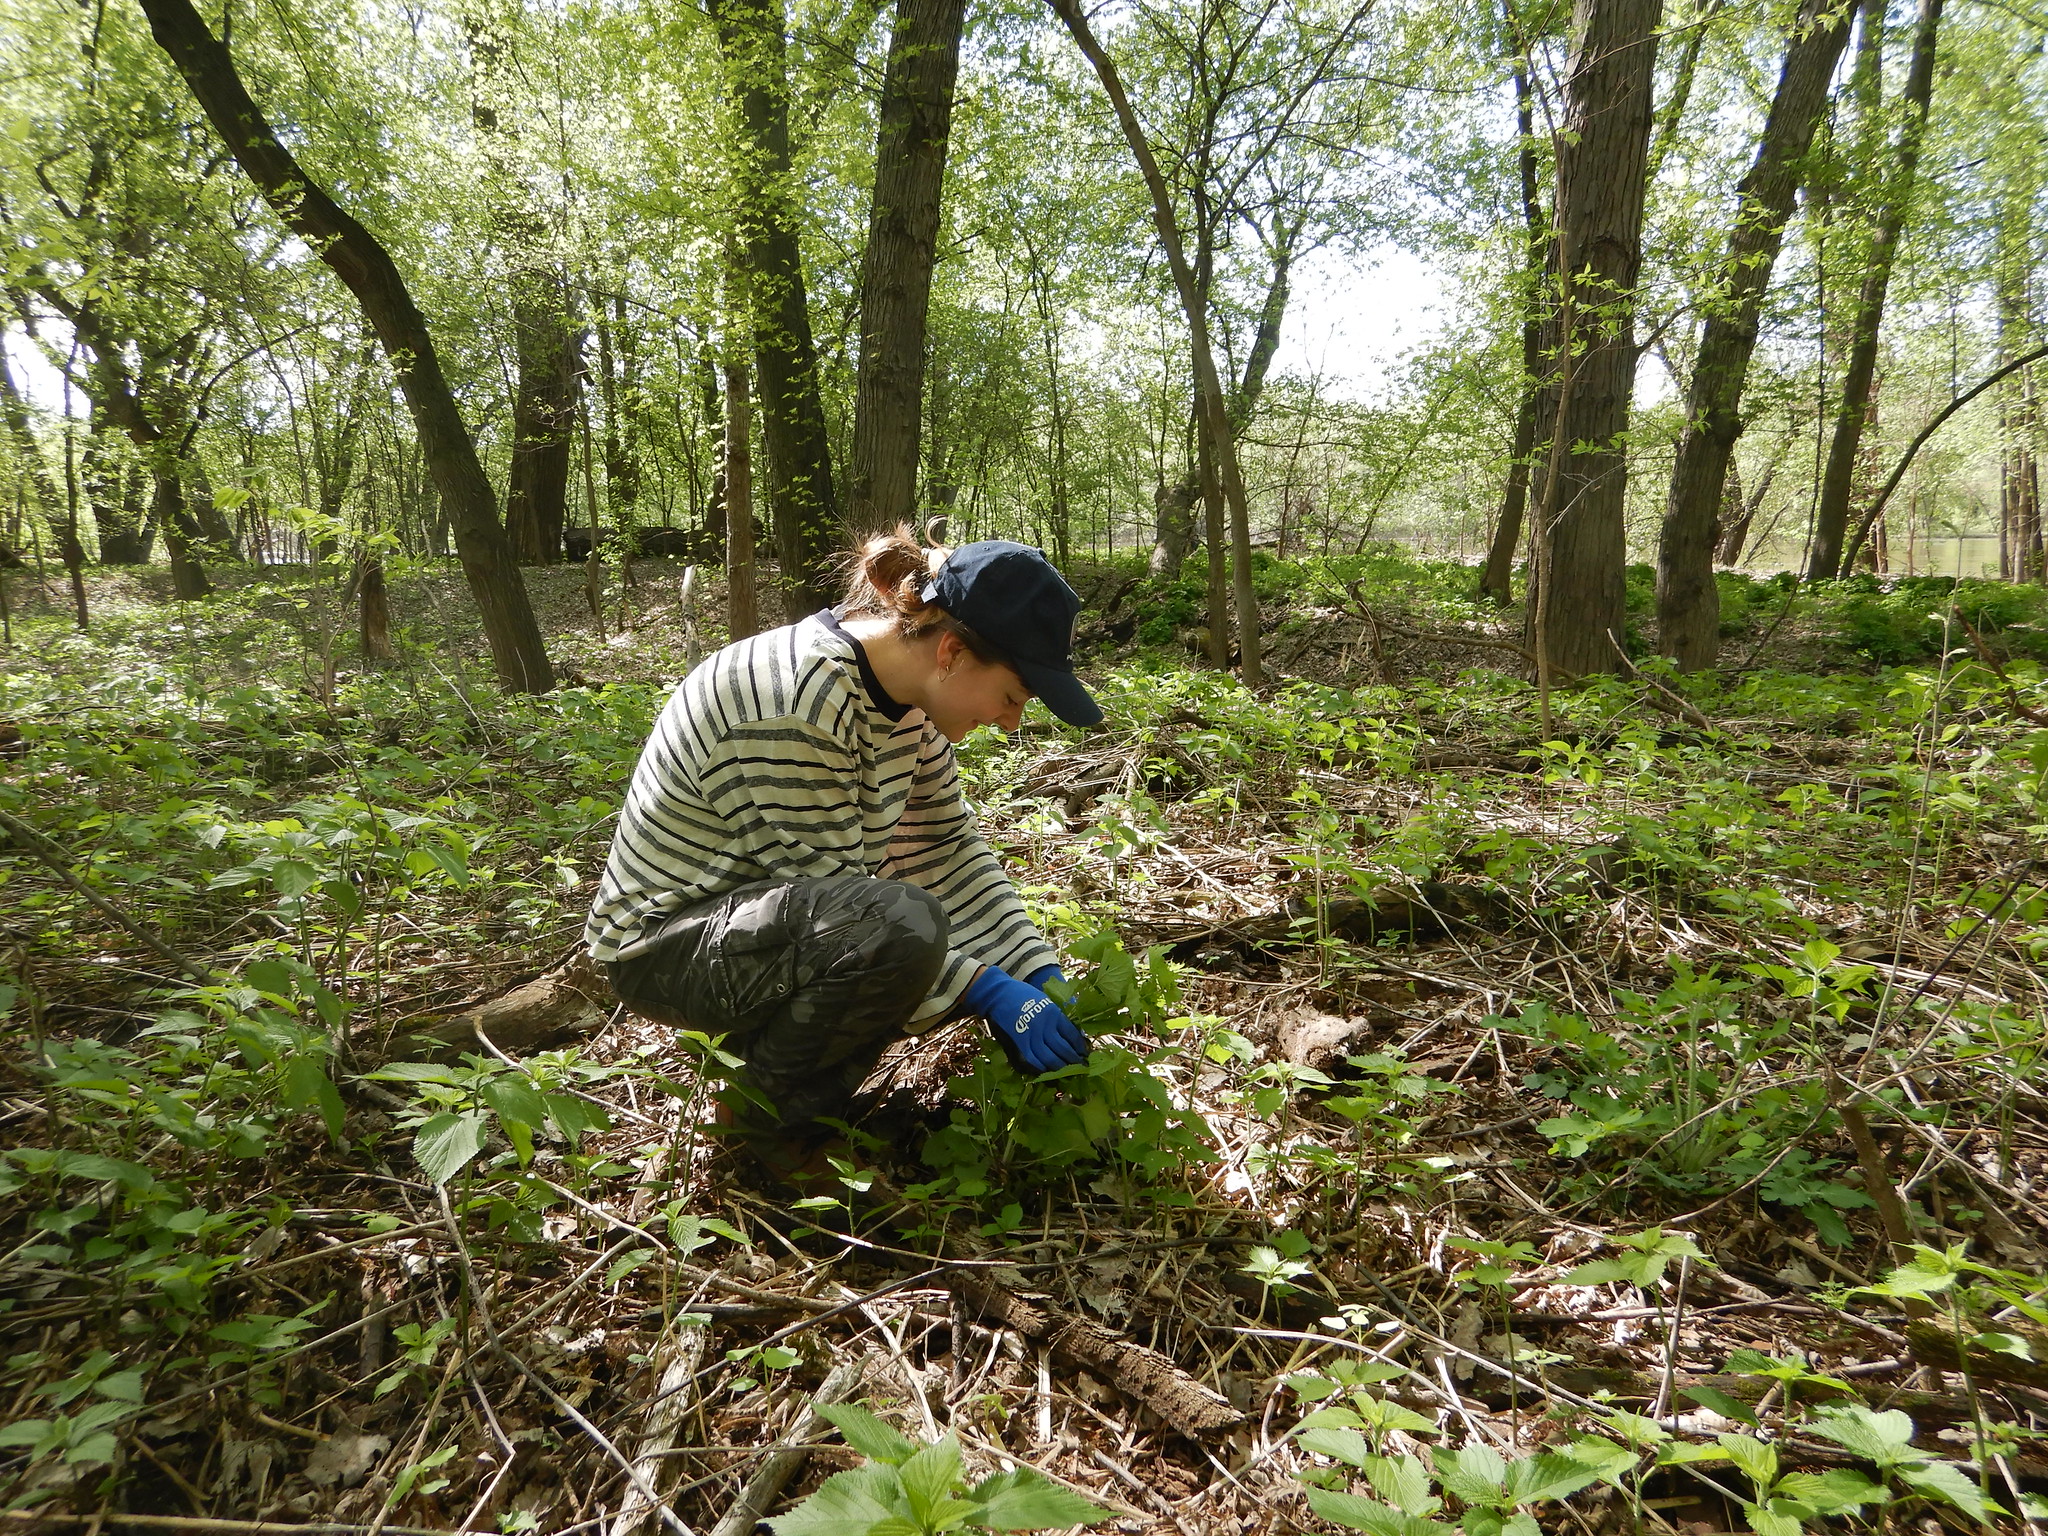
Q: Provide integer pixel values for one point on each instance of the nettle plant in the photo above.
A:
(913, 1489)
(1009, 1131)
(1405, 1493)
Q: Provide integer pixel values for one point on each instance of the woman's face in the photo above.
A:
(967, 693)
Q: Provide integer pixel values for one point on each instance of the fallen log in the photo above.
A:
(678, 1355)
(1935, 1344)
(570, 1002)
(1139, 1373)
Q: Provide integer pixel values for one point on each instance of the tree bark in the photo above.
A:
(115, 490)
(544, 397)
(373, 608)
(362, 263)
(1209, 394)
(1173, 506)
(1578, 619)
(1688, 598)
(543, 417)
(1497, 577)
(743, 614)
(1831, 517)
(803, 504)
(896, 274)
(60, 510)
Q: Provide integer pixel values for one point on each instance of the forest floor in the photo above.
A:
(1632, 1124)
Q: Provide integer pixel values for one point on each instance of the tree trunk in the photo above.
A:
(1688, 598)
(1214, 533)
(60, 511)
(1539, 404)
(1173, 506)
(618, 365)
(896, 275)
(803, 505)
(1577, 620)
(115, 489)
(743, 615)
(373, 609)
(363, 264)
(181, 533)
(543, 417)
(1831, 517)
(1173, 525)
(1209, 394)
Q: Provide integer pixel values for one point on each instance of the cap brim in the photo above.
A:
(1062, 692)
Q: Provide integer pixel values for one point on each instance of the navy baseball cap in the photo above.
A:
(1011, 597)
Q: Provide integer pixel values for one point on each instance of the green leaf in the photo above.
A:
(307, 1085)
(1404, 1482)
(1354, 1513)
(846, 1504)
(445, 1144)
(1532, 1479)
(1728, 1407)
(1346, 1445)
(1610, 1462)
(1754, 1459)
(867, 1434)
(928, 1478)
(1885, 1438)
(1951, 1482)
(515, 1101)
(1838, 1492)
(1309, 1387)
(1475, 1474)
(1771, 1520)
(1023, 1500)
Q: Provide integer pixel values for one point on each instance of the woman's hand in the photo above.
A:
(1030, 1024)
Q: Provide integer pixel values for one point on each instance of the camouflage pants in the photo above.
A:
(808, 980)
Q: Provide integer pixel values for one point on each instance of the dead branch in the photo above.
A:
(1140, 1373)
(675, 1395)
(791, 1451)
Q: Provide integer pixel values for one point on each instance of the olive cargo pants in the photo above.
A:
(808, 980)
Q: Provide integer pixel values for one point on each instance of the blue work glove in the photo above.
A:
(1045, 973)
(1029, 1023)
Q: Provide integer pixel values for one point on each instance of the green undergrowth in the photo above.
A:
(1746, 905)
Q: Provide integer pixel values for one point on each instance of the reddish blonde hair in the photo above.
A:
(885, 579)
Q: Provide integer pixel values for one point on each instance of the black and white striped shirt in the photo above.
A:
(780, 758)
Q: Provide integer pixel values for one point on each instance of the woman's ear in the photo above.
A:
(949, 651)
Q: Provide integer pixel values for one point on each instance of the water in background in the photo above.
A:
(1976, 552)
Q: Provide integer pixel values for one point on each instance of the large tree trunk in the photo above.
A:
(1539, 405)
(803, 505)
(114, 486)
(1831, 517)
(363, 264)
(544, 397)
(1577, 619)
(1688, 598)
(896, 276)
(543, 417)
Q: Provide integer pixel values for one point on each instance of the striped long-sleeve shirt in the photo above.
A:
(781, 758)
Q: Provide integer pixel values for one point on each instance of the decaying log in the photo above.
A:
(1935, 1344)
(678, 1356)
(781, 1464)
(568, 1003)
(1139, 1373)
